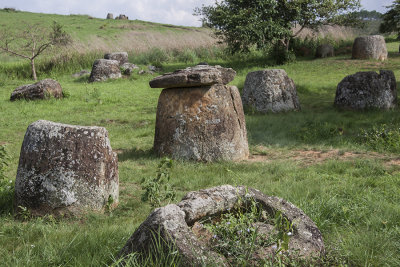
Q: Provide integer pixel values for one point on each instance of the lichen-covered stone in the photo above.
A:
(121, 57)
(201, 123)
(370, 47)
(365, 90)
(178, 225)
(104, 69)
(270, 91)
(200, 75)
(43, 89)
(325, 50)
(66, 169)
(127, 68)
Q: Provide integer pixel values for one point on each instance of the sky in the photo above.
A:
(177, 12)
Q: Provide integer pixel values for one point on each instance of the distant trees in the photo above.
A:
(242, 24)
(32, 41)
(391, 19)
(368, 15)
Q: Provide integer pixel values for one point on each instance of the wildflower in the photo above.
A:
(32, 246)
(289, 233)
(214, 236)
(248, 230)
(228, 223)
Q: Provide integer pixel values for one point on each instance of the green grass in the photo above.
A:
(354, 201)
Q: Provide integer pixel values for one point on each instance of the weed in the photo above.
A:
(158, 189)
(6, 185)
(381, 138)
(24, 213)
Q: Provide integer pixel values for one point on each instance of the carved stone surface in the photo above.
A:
(370, 47)
(270, 91)
(201, 123)
(325, 50)
(178, 225)
(104, 69)
(365, 90)
(43, 89)
(200, 75)
(66, 169)
(121, 57)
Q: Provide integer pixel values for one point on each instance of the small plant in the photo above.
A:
(381, 138)
(158, 189)
(285, 230)
(109, 204)
(24, 213)
(6, 185)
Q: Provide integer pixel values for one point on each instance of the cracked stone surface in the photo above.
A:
(66, 169)
(365, 90)
(200, 75)
(104, 69)
(201, 123)
(370, 47)
(177, 224)
(270, 91)
(41, 90)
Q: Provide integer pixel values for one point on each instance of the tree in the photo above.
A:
(241, 24)
(32, 41)
(391, 19)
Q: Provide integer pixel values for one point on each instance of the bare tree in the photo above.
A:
(32, 41)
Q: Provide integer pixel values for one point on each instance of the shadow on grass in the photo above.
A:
(6, 201)
(135, 153)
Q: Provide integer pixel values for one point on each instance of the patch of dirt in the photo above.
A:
(311, 157)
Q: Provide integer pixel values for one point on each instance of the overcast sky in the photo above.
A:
(178, 12)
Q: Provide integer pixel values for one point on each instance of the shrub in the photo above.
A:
(6, 185)
(381, 138)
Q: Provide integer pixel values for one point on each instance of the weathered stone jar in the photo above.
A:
(367, 90)
(270, 91)
(370, 47)
(66, 169)
(199, 117)
(179, 226)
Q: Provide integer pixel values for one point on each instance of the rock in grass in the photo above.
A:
(200, 75)
(270, 91)
(41, 90)
(66, 169)
(325, 50)
(201, 123)
(127, 68)
(175, 225)
(366, 90)
(121, 57)
(104, 69)
(370, 47)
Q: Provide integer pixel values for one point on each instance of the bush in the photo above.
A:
(381, 138)
(281, 55)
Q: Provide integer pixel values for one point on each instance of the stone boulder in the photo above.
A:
(370, 47)
(66, 169)
(201, 123)
(365, 90)
(121, 57)
(110, 16)
(270, 91)
(104, 69)
(178, 226)
(122, 16)
(127, 68)
(200, 75)
(41, 90)
(325, 50)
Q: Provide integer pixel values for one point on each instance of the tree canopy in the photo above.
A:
(391, 19)
(242, 24)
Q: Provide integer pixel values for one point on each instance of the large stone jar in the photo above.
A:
(199, 117)
(66, 169)
(370, 47)
(180, 226)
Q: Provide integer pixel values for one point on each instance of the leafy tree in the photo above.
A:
(391, 19)
(241, 24)
(32, 41)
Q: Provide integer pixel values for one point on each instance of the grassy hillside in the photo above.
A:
(342, 168)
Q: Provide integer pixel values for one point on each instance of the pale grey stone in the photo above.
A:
(370, 47)
(270, 91)
(104, 69)
(41, 90)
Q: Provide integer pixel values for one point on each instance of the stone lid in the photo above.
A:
(200, 75)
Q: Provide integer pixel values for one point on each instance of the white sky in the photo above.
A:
(178, 12)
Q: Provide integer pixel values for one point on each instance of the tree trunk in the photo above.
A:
(33, 69)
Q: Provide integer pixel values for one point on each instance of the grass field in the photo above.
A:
(316, 158)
